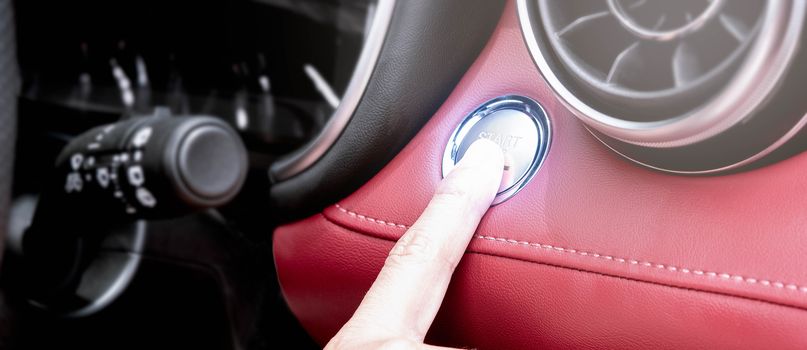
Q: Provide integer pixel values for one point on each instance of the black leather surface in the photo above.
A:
(9, 87)
(429, 46)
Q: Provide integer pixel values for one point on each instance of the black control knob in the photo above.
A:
(106, 181)
(155, 166)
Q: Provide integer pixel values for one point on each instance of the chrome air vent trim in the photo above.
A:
(761, 72)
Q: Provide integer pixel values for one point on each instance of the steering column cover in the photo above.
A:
(595, 252)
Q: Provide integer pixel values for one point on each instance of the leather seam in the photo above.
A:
(585, 271)
(637, 280)
(767, 283)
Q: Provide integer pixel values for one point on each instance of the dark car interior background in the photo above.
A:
(218, 174)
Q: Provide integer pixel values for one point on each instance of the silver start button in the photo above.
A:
(518, 125)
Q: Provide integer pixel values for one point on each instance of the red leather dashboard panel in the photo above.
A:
(595, 252)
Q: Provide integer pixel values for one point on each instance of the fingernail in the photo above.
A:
(483, 151)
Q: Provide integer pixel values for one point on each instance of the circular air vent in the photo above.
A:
(664, 56)
(659, 79)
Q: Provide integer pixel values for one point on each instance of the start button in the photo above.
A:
(518, 125)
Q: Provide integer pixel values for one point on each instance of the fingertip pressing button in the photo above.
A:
(519, 126)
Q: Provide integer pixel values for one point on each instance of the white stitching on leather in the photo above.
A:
(366, 218)
(722, 276)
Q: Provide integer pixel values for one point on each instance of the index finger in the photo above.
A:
(407, 294)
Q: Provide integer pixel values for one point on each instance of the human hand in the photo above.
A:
(401, 304)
